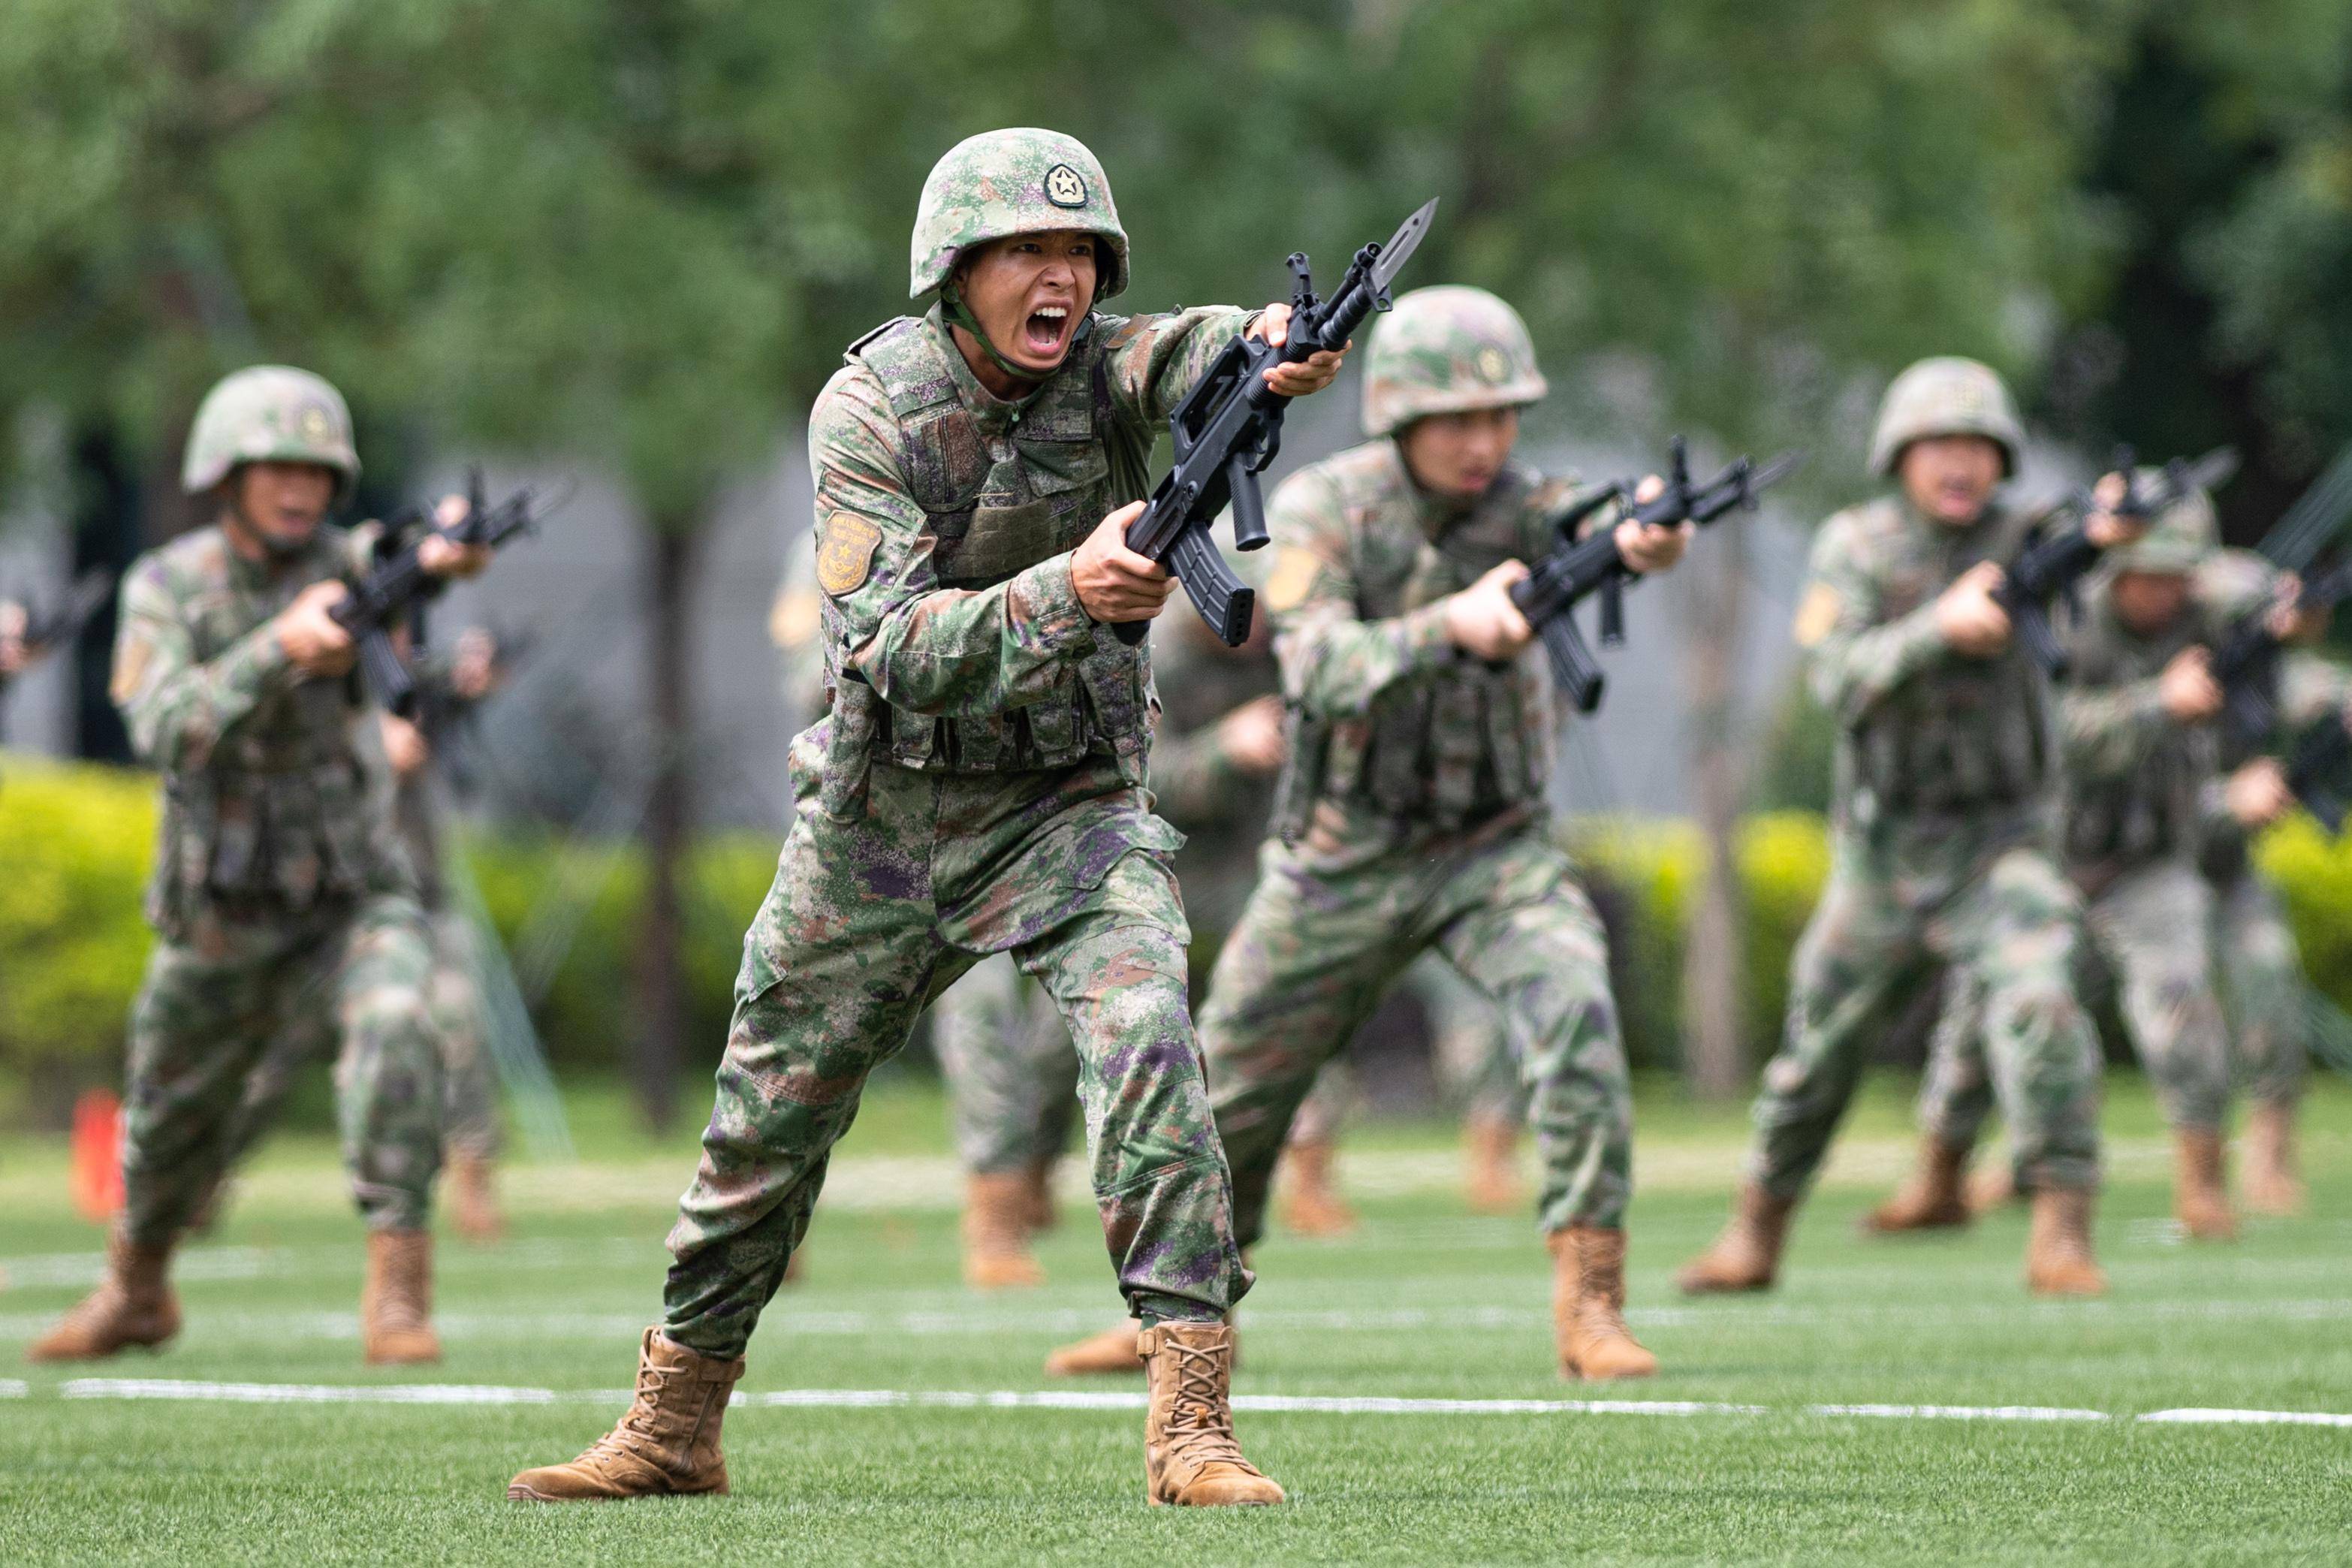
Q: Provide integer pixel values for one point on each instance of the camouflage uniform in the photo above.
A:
(286, 912)
(1941, 841)
(977, 787)
(1412, 809)
(2133, 806)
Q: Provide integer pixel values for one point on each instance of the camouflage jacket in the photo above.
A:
(1222, 810)
(1928, 740)
(952, 636)
(1396, 734)
(2136, 782)
(269, 802)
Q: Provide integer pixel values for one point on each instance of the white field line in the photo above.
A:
(295, 1325)
(452, 1394)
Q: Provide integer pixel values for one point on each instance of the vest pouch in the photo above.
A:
(849, 742)
(999, 541)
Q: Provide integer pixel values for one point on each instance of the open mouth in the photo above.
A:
(1045, 331)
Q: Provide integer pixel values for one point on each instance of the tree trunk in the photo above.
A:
(660, 1053)
(1712, 1057)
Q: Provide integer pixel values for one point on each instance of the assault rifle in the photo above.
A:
(1580, 568)
(2051, 568)
(1229, 428)
(400, 582)
(47, 632)
(2247, 662)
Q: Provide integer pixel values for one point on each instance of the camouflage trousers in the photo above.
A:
(1012, 1076)
(470, 1090)
(1992, 908)
(869, 918)
(2264, 989)
(1316, 949)
(2152, 929)
(1471, 1053)
(343, 981)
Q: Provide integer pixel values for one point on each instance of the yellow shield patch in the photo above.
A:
(1817, 615)
(846, 551)
(130, 668)
(1293, 575)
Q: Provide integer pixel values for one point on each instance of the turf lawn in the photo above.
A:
(1425, 1303)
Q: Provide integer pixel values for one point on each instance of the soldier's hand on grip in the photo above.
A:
(1113, 582)
(1482, 622)
(1645, 549)
(2108, 527)
(1306, 377)
(2187, 687)
(444, 557)
(1970, 620)
(2257, 793)
(310, 635)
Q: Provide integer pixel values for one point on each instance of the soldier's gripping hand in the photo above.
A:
(2290, 619)
(1973, 623)
(2257, 793)
(310, 635)
(1113, 582)
(1482, 622)
(12, 636)
(1647, 549)
(2105, 526)
(1250, 737)
(1310, 375)
(2187, 687)
(404, 746)
(444, 556)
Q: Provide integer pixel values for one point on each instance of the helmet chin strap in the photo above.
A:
(953, 310)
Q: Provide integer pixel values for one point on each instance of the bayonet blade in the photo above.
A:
(1779, 469)
(1402, 245)
(2214, 469)
(2317, 516)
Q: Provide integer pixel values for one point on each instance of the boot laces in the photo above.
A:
(1200, 1427)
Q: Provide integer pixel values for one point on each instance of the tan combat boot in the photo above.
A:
(668, 1444)
(474, 1198)
(396, 1302)
(1190, 1457)
(133, 1305)
(1933, 1198)
(1039, 1214)
(1111, 1351)
(1491, 1182)
(1747, 1256)
(2058, 1260)
(2200, 1200)
(996, 1255)
(1588, 1305)
(1310, 1203)
(2268, 1177)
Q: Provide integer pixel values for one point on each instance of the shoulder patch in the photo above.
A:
(1817, 615)
(130, 668)
(1293, 575)
(846, 554)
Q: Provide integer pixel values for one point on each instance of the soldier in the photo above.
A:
(977, 787)
(2140, 753)
(283, 906)
(1942, 843)
(1412, 814)
(1011, 1076)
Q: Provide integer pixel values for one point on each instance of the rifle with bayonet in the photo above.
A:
(2247, 662)
(399, 582)
(2052, 566)
(1229, 429)
(1550, 592)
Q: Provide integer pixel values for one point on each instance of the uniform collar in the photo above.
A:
(995, 416)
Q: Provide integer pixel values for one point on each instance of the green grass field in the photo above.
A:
(1426, 1303)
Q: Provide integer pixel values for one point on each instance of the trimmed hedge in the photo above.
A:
(75, 843)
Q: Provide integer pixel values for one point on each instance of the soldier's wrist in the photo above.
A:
(1056, 617)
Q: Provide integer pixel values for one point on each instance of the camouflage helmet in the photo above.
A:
(2178, 539)
(269, 414)
(1945, 396)
(1005, 183)
(1447, 350)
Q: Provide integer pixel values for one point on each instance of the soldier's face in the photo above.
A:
(2149, 602)
(1030, 291)
(1458, 455)
(281, 504)
(1950, 478)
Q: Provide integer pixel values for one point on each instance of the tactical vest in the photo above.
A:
(280, 815)
(993, 507)
(1452, 748)
(1966, 735)
(2152, 810)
